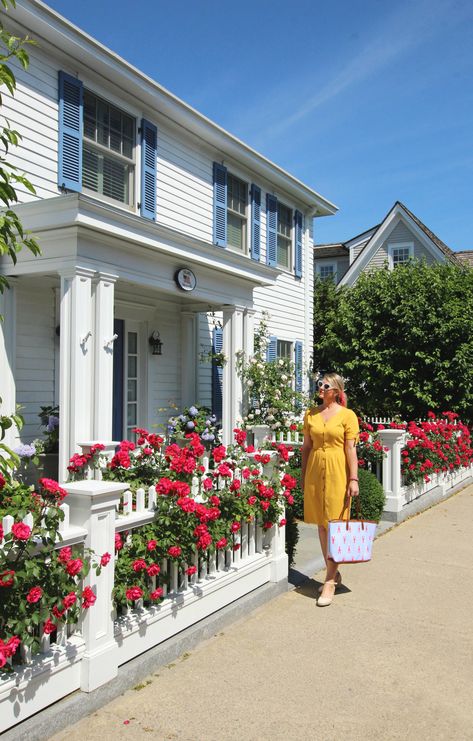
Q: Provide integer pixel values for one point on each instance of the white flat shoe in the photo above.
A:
(338, 582)
(327, 600)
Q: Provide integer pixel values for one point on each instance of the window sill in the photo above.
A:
(106, 199)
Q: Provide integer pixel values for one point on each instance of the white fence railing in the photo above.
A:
(89, 654)
(398, 496)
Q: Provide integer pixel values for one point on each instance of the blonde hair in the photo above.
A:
(338, 384)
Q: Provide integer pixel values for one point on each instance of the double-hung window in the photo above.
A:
(237, 202)
(399, 254)
(284, 237)
(284, 349)
(108, 150)
(326, 271)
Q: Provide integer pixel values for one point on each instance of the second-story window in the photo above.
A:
(327, 271)
(237, 199)
(283, 258)
(284, 349)
(108, 165)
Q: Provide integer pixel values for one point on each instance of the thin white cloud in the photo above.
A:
(402, 31)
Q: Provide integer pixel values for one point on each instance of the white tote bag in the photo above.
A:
(351, 541)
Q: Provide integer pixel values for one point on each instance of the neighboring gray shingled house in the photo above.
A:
(399, 237)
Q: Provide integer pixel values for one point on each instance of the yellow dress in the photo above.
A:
(326, 476)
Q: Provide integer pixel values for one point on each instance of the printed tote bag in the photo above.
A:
(351, 541)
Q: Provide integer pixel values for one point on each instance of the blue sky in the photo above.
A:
(366, 101)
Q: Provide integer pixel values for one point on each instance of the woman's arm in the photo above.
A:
(305, 451)
(352, 461)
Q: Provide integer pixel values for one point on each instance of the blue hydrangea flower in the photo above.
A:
(190, 426)
(182, 418)
(193, 411)
(213, 419)
(25, 451)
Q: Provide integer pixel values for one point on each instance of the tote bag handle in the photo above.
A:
(358, 512)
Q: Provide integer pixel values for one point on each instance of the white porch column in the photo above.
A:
(188, 358)
(7, 358)
(248, 344)
(76, 363)
(232, 390)
(104, 291)
(392, 485)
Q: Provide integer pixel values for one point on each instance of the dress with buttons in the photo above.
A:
(326, 477)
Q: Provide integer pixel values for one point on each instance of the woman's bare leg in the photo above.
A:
(332, 566)
(323, 541)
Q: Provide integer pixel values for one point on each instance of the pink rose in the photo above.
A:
(138, 565)
(74, 566)
(49, 627)
(21, 531)
(105, 559)
(34, 595)
(69, 600)
(235, 526)
(65, 555)
(134, 593)
(174, 551)
(88, 597)
(118, 542)
(252, 500)
(207, 484)
(151, 545)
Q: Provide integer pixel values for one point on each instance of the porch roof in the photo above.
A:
(123, 243)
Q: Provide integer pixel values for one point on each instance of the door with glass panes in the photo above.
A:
(127, 389)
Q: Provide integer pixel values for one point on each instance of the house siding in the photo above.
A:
(401, 233)
(35, 353)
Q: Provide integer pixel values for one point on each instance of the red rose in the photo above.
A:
(235, 485)
(49, 627)
(224, 470)
(219, 453)
(34, 595)
(65, 554)
(58, 614)
(105, 559)
(134, 593)
(221, 543)
(153, 569)
(21, 531)
(235, 526)
(2, 481)
(267, 525)
(174, 551)
(69, 600)
(163, 486)
(118, 542)
(1, 532)
(214, 500)
(151, 545)
(74, 566)
(250, 448)
(138, 565)
(88, 598)
(252, 500)
(207, 484)
(236, 547)
(52, 487)
(265, 505)
(157, 594)
(282, 522)
(6, 578)
(191, 570)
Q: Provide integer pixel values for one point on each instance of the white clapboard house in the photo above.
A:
(154, 224)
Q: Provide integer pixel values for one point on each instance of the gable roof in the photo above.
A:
(430, 240)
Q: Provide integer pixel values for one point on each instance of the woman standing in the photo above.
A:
(329, 467)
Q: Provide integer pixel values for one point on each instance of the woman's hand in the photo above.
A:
(353, 489)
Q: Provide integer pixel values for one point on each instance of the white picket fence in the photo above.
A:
(87, 655)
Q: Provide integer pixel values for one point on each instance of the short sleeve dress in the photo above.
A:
(326, 476)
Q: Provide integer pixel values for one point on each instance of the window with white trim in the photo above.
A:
(284, 237)
(237, 204)
(326, 271)
(284, 350)
(108, 150)
(399, 254)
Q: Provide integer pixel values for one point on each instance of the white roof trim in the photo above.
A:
(396, 215)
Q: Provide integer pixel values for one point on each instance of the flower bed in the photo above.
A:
(442, 444)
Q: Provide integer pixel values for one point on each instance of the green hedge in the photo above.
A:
(372, 496)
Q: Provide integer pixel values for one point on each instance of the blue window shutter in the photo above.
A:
(298, 240)
(70, 102)
(149, 154)
(220, 205)
(217, 373)
(272, 349)
(298, 364)
(271, 229)
(255, 222)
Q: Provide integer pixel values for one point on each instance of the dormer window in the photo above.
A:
(399, 254)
